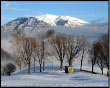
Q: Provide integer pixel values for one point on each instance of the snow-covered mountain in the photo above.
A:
(63, 24)
(55, 20)
(48, 19)
(34, 25)
(29, 25)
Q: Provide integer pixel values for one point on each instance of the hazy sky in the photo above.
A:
(85, 10)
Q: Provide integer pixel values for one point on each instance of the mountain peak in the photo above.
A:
(63, 20)
(48, 18)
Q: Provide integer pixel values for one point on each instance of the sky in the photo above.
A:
(84, 10)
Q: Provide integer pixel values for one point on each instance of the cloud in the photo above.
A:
(98, 20)
(9, 3)
(6, 3)
(17, 9)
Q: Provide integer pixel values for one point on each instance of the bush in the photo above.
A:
(8, 69)
(4, 70)
(11, 68)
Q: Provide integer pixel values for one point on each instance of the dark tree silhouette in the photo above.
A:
(10, 68)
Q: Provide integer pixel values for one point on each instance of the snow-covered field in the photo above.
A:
(55, 78)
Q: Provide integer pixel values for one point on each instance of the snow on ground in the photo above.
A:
(58, 78)
(54, 78)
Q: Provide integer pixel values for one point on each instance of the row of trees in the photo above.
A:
(29, 48)
(99, 53)
(66, 46)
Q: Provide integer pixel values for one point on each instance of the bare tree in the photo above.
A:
(74, 46)
(39, 57)
(93, 56)
(50, 33)
(103, 52)
(98, 52)
(17, 41)
(51, 50)
(34, 53)
(41, 51)
(40, 54)
(59, 42)
(28, 47)
(105, 49)
(84, 49)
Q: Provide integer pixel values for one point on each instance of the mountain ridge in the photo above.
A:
(53, 19)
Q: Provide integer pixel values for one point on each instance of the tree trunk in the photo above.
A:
(82, 55)
(61, 66)
(34, 65)
(52, 64)
(29, 67)
(81, 65)
(20, 69)
(9, 73)
(92, 68)
(44, 64)
(20, 65)
(70, 62)
(108, 73)
(102, 71)
(40, 68)
(101, 67)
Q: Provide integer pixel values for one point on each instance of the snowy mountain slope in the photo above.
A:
(67, 24)
(13, 24)
(31, 23)
(62, 24)
(51, 20)
(55, 20)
